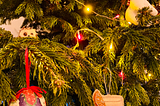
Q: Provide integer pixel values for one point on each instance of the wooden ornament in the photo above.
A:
(107, 100)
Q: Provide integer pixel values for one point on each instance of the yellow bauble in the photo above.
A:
(131, 16)
(133, 8)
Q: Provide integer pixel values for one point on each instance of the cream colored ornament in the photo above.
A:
(133, 8)
(27, 32)
(107, 100)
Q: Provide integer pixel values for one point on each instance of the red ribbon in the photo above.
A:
(35, 89)
(27, 68)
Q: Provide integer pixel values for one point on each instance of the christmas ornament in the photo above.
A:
(27, 32)
(133, 8)
(13, 26)
(30, 96)
(107, 100)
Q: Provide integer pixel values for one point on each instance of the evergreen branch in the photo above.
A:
(21, 7)
(78, 18)
(142, 94)
(6, 92)
(49, 22)
(29, 10)
(85, 98)
(39, 1)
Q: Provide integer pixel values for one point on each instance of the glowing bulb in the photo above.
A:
(79, 36)
(129, 23)
(121, 73)
(149, 75)
(111, 46)
(117, 16)
(88, 9)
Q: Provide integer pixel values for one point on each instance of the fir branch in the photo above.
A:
(78, 18)
(71, 5)
(5, 90)
(142, 94)
(21, 7)
(49, 22)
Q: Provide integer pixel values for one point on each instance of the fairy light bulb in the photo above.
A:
(129, 23)
(149, 75)
(117, 16)
(111, 46)
(121, 73)
(88, 9)
(79, 36)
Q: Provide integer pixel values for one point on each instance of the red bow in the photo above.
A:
(35, 89)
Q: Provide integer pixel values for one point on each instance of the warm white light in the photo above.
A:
(88, 9)
(149, 75)
(129, 23)
(111, 46)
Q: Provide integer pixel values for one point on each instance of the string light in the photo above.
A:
(121, 74)
(129, 23)
(88, 9)
(97, 13)
(79, 36)
(149, 75)
(111, 46)
(117, 16)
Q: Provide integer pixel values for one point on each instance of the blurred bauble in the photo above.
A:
(133, 8)
(28, 98)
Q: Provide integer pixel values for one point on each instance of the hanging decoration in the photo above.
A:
(27, 32)
(133, 8)
(31, 95)
(107, 100)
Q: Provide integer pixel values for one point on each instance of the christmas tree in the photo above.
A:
(77, 46)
